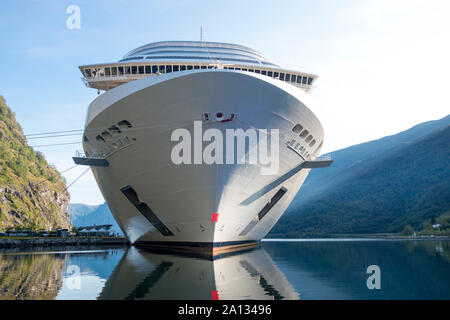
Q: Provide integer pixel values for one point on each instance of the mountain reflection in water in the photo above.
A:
(319, 269)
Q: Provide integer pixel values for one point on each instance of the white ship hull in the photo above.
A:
(184, 197)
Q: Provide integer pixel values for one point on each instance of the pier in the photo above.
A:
(10, 242)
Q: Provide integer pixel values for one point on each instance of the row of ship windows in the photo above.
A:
(299, 148)
(193, 58)
(114, 129)
(304, 134)
(182, 48)
(154, 69)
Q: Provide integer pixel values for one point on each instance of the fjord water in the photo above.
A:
(295, 269)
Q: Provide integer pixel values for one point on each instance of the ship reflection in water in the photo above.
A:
(245, 275)
(324, 269)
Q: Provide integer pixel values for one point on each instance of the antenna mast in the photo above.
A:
(201, 34)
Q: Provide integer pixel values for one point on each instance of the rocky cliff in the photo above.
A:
(32, 192)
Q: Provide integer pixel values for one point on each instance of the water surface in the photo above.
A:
(307, 269)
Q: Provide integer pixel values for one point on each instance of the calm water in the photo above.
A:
(277, 270)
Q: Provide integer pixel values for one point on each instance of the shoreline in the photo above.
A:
(66, 241)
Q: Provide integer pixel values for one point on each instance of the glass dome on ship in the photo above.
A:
(164, 86)
(174, 56)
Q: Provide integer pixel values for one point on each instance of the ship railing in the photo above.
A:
(82, 154)
(325, 157)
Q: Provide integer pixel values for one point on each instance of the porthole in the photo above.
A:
(106, 134)
(309, 139)
(124, 124)
(297, 128)
(312, 143)
(304, 133)
(114, 129)
(219, 116)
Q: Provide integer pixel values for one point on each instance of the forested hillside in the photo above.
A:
(376, 187)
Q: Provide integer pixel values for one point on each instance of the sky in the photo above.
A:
(383, 66)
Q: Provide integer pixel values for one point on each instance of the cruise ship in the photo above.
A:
(195, 88)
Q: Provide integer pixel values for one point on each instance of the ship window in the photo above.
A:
(281, 76)
(309, 139)
(250, 70)
(312, 143)
(299, 79)
(148, 69)
(154, 69)
(124, 124)
(244, 69)
(297, 128)
(87, 72)
(114, 129)
(264, 72)
(106, 134)
(85, 139)
(206, 117)
(231, 68)
(176, 68)
(301, 149)
(168, 69)
(99, 138)
(114, 71)
(162, 68)
(210, 67)
(107, 71)
(182, 68)
(238, 68)
(257, 71)
(304, 133)
(133, 69)
(293, 78)
(196, 67)
(297, 145)
(288, 77)
(275, 74)
(120, 69)
(189, 67)
(269, 73)
(292, 142)
(141, 69)
(304, 80)
(203, 67)
(127, 70)
(310, 80)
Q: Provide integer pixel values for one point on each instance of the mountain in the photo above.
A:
(86, 215)
(32, 192)
(375, 187)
